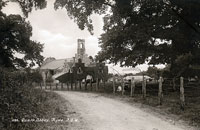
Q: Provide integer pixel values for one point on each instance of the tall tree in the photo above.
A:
(15, 33)
(28, 5)
(134, 29)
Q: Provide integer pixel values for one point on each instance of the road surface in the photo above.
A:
(102, 113)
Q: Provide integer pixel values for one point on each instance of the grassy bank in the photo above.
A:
(33, 110)
(25, 108)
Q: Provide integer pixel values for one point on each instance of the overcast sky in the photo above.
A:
(59, 33)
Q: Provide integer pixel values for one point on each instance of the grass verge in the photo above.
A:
(32, 109)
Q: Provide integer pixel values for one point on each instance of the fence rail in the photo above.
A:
(181, 88)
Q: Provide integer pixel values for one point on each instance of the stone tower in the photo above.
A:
(81, 52)
(81, 48)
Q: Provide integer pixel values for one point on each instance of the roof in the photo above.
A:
(59, 74)
(55, 64)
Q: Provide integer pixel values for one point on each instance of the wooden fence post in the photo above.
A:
(174, 84)
(91, 84)
(182, 96)
(123, 84)
(144, 88)
(61, 85)
(97, 84)
(68, 86)
(85, 84)
(71, 85)
(114, 84)
(100, 82)
(104, 85)
(132, 87)
(160, 91)
(75, 84)
(80, 84)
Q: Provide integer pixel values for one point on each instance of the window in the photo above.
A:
(79, 71)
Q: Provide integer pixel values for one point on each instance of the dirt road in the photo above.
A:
(101, 113)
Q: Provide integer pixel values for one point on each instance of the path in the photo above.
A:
(101, 113)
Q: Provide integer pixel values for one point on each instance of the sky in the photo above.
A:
(59, 33)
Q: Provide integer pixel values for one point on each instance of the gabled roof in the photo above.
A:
(59, 74)
(55, 64)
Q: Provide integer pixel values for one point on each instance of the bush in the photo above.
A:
(18, 100)
(35, 77)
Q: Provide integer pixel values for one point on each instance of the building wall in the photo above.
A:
(67, 64)
(81, 52)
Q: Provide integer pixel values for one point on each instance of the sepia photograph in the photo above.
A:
(99, 64)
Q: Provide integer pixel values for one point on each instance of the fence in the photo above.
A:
(73, 86)
(178, 90)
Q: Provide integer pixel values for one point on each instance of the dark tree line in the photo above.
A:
(139, 31)
(133, 29)
(15, 33)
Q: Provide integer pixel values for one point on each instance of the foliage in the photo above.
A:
(153, 72)
(20, 101)
(81, 10)
(12, 94)
(15, 33)
(28, 5)
(34, 76)
(134, 29)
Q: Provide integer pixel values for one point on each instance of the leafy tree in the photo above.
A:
(34, 76)
(133, 29)
(15, 33)
(28, 5)
(152, 71)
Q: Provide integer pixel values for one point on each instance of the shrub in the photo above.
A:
(18, 100)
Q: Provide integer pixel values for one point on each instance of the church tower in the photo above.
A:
(81, 48)
(81, 52)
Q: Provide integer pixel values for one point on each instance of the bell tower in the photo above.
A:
(81, 52)
(81, 48)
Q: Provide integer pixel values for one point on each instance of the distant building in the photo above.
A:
(81, 53)
(55, 67)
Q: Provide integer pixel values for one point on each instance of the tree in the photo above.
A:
(28, 5)
(35, 76)
(133, 29)
(15, 33)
